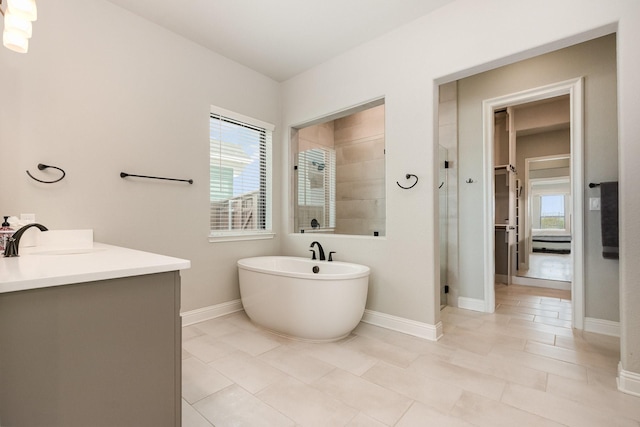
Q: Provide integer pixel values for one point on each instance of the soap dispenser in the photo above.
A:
(5, 233)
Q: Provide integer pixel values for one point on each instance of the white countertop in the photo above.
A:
(40, 269)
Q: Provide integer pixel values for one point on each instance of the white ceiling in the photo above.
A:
(280, 38)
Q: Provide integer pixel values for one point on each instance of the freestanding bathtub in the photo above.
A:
(285, 295)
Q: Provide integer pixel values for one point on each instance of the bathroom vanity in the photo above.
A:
(90, 338)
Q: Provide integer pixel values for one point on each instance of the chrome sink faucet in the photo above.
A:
(14, 241)
(320, 251)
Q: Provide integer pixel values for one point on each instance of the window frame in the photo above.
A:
(253, 234)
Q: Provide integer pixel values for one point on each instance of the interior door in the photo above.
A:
(443, 222)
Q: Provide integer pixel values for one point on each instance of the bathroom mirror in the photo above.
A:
(339, 173)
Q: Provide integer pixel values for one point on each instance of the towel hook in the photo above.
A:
(43, 167)
(408, 176)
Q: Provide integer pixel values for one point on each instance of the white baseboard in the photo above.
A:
(541, 283)
(211, 312)
(400, 324)
(604, 327)
(406, 326)
(628, 382)
(471, 304)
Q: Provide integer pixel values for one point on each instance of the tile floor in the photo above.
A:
(549, 267)
(521, 366)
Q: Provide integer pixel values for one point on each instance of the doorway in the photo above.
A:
(546, 221)
(533, 209)
(517, 243)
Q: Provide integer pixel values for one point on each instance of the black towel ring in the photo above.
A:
(43, 167)
(407, 176)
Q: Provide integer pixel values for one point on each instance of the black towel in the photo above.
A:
(609, 219)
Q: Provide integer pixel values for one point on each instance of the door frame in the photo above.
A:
(575, 89)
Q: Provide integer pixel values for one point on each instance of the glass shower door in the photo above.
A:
(443, 222)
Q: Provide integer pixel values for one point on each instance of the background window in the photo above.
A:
(240, 175)
(552, 211)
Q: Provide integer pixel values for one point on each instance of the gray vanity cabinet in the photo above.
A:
(102, 353)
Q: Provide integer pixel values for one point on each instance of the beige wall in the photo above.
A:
(102, 91)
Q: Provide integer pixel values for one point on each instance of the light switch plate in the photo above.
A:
(594, 203)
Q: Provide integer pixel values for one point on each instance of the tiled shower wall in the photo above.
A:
(360, 173)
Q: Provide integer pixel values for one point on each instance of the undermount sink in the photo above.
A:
(63, 242)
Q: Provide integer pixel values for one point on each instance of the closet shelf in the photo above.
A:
(508, 167)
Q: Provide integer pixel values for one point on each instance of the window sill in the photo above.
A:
(219, 238)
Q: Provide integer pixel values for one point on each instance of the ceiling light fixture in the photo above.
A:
(18, 17)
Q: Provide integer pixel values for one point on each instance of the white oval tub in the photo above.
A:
(284, 295)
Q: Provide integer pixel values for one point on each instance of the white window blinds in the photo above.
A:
(316, 188)
(240, 174)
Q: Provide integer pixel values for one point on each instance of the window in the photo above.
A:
(316, 188)
(240, 176)
(552, 212)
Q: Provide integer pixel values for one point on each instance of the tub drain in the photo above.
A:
(316, 269)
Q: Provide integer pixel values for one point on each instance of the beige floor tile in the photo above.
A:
(541, 363)
(253, 343)
(200, 380)
(371, 331)
(213, 328)
(489, 413)
(234, 406)
(382, 350)
(207, 348)
(586, 359)
(422, 415)
(466, 379)
(339, 356)
(540, 327)
(377, 402)
(297, 363)
(467, 340)
(501, 368)
(565, 315)
(592, 343)
(189, 332)
(462, 321)
(419, 346)
(306, 405)
(521, 334)
(549, 267)
(564, 377)
(361, 420)
(186, 354)
(193, 418)
(433, 393)
(242, 321)
(248, 372)
(561, 410)
(518, 309)
(595, 396)
(553, 321)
